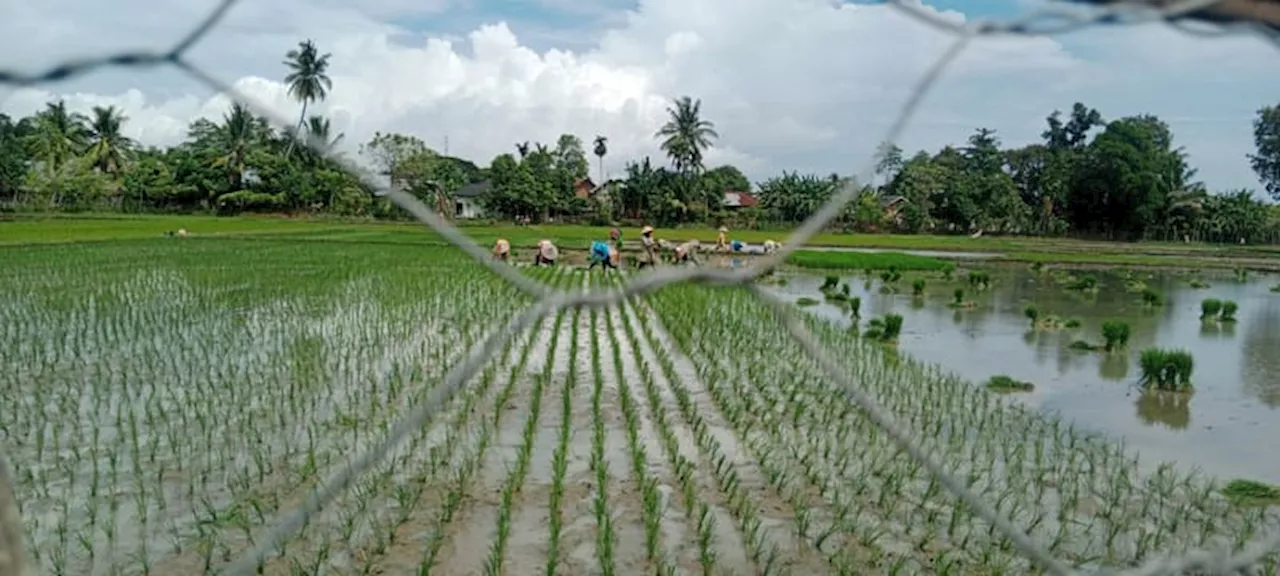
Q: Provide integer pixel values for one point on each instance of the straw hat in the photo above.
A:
(646, 230)
(723, 229)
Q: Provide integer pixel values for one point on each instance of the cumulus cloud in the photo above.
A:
(807, 85)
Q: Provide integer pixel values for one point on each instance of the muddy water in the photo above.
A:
(1225, 428)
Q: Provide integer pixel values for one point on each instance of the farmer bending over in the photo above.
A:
(546, 254)
(685, 252)
(502, 249)
(604, 255)
(722, 240)
(650, 247)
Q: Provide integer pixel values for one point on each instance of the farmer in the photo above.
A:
(604, 255)
(770, 246)
(650, 247)
(722, 240)
(502, 249)
(546, 254)
(737, 245)
(685, 252)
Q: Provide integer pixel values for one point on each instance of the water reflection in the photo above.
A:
(1237, 376)
(1169, 409)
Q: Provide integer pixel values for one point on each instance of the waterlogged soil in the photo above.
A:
(1222, 428)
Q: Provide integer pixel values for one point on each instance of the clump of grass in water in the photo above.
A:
(1152, 298)
(885, 329)
(979, 280)
(1115, 335)
(829, 283)
(917, 287)
(1198, 283)
(1251, 493)
(948, 272)
(1212, 309)
(805, 301)
(1242, 275)
(1033, 314)
(855, 307)
(958, 300)
(1003, 383)
(1168, 370)
(1228, 313)
(1085, 283)
(1037, 267)
(1276, 288)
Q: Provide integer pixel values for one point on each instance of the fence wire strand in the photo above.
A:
(1260, 17)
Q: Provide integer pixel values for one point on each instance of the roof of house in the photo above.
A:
(735, 199)
(887, 201)
(474, 189)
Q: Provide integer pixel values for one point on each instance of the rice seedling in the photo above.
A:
(1228, 312)
(1168, 370)
(1241, 274)
(853, 500)
(1004, 383)
(948, 271)
(1087, 283)
(1198, 283)
(979, 279)
(830, 283)
(172, 400)
(886, 329)
(855, 307)
(1251, 493)
(1032, 313)
(1115, 335)
(805, 301)
(1152, 298)
(1210, 308)
(958, 301)
(917, 288)
(823, 260)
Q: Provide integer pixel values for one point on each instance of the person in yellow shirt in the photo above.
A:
(722, 240)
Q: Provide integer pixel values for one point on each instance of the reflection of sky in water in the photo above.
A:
(1225, 427)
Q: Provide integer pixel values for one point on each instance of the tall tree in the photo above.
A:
(60, 135)
(236, 136)
(601, 148)
(308, 79)
(686, 135)
(107, 145)
(1266, 161)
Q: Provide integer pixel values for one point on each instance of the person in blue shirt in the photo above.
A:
(604, 255)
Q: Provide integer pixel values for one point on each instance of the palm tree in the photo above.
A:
(601, 148)
(307, 79)
(323, 141)
(686, 135)
(59, 134)
(107, 146)
(236, 136)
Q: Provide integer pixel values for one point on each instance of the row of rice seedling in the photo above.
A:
(1085, 497)
(171, 400)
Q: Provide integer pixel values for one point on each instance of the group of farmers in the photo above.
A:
(608, 255)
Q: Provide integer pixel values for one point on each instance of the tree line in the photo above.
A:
(1122, 179)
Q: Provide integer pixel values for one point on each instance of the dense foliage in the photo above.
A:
(1118, 179)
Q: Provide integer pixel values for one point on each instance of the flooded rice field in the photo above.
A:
(1220, 428)
(169, 403)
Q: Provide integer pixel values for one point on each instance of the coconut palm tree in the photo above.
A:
(235, 138)
(322, 138)
(601, 148)
(686, 135)
(307, 79)
(107, 146)
(59, 135)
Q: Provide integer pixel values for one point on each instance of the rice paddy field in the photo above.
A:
(167, 401)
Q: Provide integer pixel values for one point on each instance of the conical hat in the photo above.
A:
(646, 230)
(549, 251)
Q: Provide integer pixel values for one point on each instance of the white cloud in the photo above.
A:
(791, 84)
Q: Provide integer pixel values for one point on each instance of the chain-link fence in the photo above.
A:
(1223, 16)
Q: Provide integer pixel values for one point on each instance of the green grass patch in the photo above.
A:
(864, 261)
(1003, 383)
(1251, 493)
